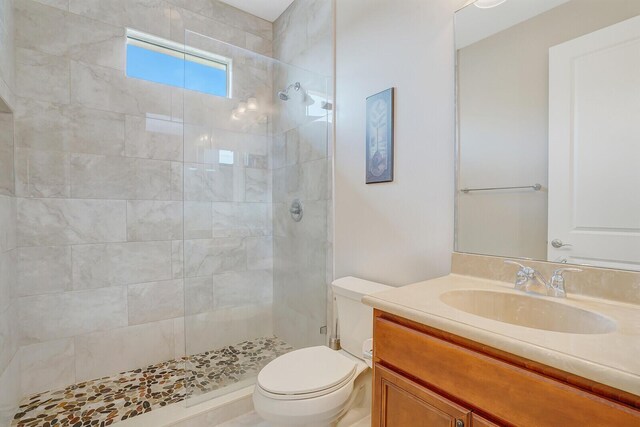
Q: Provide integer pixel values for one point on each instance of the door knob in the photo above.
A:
(557, 243)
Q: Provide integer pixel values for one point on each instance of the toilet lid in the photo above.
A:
(304, 371)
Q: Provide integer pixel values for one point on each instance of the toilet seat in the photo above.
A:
(306, 373)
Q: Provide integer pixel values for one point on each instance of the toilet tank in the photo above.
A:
(355, 319)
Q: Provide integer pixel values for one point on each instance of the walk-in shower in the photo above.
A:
(211, 278)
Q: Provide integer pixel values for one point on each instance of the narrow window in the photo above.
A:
(162, 61)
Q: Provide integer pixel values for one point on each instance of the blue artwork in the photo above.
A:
(380, 137)
(175, 71)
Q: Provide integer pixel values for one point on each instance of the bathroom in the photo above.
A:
(191, 235)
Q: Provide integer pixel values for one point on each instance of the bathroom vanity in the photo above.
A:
(437, 365)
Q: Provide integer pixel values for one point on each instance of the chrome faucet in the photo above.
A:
(530, 280)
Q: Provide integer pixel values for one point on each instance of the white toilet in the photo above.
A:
(316, 386)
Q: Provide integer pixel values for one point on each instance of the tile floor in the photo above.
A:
(106, 401)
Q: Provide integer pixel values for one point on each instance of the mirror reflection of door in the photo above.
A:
(549, 93)
(594, 148)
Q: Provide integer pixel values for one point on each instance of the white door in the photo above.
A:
(594, 148)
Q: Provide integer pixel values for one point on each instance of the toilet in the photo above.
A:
(317, 386)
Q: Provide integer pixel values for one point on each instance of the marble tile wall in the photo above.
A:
(302, 170)
(9, 328)
(101, 212)
(7, 55)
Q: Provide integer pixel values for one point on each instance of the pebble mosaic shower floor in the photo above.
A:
(107, 400)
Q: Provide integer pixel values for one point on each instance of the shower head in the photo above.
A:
(284, 94)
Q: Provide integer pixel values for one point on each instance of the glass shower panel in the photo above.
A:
(254, 278)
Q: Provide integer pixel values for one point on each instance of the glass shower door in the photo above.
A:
(254, 278)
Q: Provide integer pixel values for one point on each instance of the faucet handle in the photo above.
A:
(556, 285)
(559, 271)
(523, 275)
(512, 262)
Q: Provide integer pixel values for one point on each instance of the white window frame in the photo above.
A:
(185, 52)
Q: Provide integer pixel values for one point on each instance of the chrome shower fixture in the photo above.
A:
(284, 94)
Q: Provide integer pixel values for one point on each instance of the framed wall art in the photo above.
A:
(380, 116)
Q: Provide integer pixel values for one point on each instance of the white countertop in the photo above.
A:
(612, 358)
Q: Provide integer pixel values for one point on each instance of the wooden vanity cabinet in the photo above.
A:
(427, 377)
(405, 403)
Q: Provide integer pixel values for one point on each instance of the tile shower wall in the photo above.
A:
(7, 53)
(9, 339)
(99, 165)
(302, 170)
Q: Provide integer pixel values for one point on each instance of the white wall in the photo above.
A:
(400, 232)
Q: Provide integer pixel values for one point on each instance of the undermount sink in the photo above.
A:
(528, 311)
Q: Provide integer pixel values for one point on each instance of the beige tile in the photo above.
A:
(42, 76)
(226, 326)
(259, 253)
(198, 221)
(231, 15)
(152, 138)
(63, 315)
(63, 34)
(43, 269)
(48, 365)
(62, 222)
(177, 259)
(150, 302)
(242, 288)
(113, 264)
(204, 257)
(110, 177)
(241, 219)
(8, 212)
(198, 295)
(257, 185)
(102, 177)
(42, 173)
(178, 337)
(137, 346)
(208, 182)
(47, 126)
(154, 220)
(9, 391)
(60, 4)
(104, 88)
(184, 20)
(8, 279)
(7, 185)
(8, 335)
(151, 16)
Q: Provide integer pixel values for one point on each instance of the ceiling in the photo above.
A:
(265, 9)
(474, 24)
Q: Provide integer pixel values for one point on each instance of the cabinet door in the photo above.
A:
(478, 421)
(399, 402)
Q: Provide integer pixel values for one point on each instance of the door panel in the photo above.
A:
(594, 148)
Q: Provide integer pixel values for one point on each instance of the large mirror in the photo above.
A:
(548, 130)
